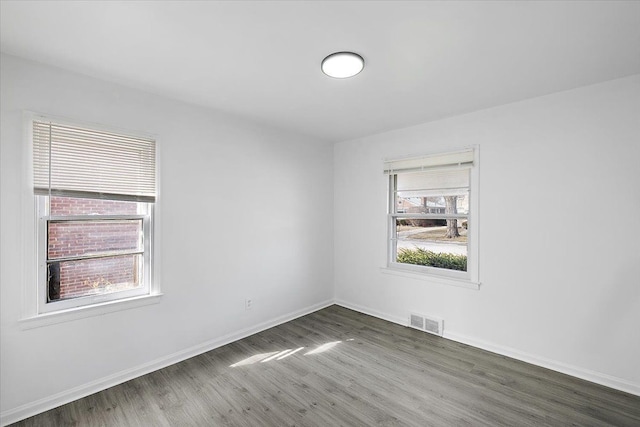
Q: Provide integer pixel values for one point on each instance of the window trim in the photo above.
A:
(30, 315)
(82, 312)
(461, 283)
(468, 279)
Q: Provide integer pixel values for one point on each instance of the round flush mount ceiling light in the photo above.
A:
(341, 65)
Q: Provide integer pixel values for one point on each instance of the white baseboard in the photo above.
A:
(585, 374)
(380, 315)
(574, 371)
(50, 402)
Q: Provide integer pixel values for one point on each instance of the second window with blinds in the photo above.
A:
(432, 215)
(95, 192)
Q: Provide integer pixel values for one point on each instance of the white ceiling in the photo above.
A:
(424, 60)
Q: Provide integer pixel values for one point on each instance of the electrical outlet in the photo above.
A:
(248, 303)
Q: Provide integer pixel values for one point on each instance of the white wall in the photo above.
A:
(559, 231)
(245, 211)
(560, 273)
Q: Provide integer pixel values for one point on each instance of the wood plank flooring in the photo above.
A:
(336, 367)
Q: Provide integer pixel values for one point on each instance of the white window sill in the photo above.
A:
(462, 283)
(51, 318)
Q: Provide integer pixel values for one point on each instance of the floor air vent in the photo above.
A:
(430, 324)
(416, 321)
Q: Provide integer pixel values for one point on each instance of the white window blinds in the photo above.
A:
(453, 160)
(448, 182)
(79, 162)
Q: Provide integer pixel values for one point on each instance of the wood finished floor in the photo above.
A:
(371, 373)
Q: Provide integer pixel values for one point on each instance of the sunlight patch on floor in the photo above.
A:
(323, 348)
(290, 353)
(279, 355)
(253, 359)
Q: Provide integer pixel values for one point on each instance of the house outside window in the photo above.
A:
(95, 193)
(432, 215)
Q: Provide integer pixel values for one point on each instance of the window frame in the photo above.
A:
(469, 278)
(44, 217)
(32, 314)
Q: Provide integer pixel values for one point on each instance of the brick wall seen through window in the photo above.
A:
(67, 239)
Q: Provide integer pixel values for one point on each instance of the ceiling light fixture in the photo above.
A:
(341, 65)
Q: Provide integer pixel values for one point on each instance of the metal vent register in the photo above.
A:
(433, 325)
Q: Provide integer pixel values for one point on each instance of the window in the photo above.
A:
(432, 215)
(95, 193)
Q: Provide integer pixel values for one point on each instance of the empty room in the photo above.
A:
(320, 213)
